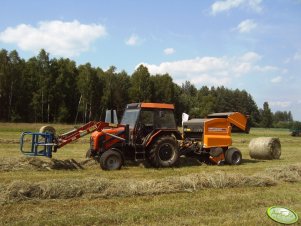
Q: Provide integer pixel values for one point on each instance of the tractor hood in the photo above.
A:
(107, 137)
(104, 131)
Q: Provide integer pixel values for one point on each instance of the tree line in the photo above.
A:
(41, 89)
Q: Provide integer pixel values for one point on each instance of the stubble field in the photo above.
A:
(69, 190)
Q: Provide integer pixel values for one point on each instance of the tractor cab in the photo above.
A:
(145, 119)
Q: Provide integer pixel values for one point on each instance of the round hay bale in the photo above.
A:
(47, 129)
(266, 148)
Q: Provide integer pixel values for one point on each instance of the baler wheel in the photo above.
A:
(233, 156)
(111, 160)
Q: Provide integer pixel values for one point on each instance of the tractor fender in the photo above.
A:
(161, 133)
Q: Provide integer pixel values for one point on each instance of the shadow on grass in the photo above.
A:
(247, 161)
(189, 161)
(184, 162)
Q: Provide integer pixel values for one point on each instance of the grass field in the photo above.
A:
(191, 194)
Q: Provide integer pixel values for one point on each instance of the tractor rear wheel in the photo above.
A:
(111, 160)
(164, 152)
(233, 156)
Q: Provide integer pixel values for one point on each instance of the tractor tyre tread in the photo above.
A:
(153, 153)
(107, 156)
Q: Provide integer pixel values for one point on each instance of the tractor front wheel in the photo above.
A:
(111, 160)
(164, 152)
(233, 156)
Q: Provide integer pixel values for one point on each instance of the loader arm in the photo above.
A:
(76, 134)
(43, 144)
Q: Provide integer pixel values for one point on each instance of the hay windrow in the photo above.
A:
(9, 141)
(105, 188)
(291, 173)
(43, 164)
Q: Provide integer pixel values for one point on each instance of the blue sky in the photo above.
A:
(246, 44)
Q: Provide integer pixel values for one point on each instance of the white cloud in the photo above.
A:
(284, 70)
(281, 104)
(207, 79)
(276, 79)
(169, 51)
(255, 5)
(60, 38)
(210, 70)
(267, 68)
(226, 5)
(242, 68)
(221, 6)
(251, 57)
(133, 40)
(246, 26)
(297, 56)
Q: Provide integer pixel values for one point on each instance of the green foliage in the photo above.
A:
(162, 88)
(140, 90)
(282, 119)
(266, 116)
(116, 90)
(296, 126)
(56, 90)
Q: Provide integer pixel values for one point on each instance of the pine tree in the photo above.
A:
(266, 116)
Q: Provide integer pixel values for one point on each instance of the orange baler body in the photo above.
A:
(215, 130)
(217, 133)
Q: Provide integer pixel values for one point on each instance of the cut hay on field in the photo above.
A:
(101, 187)
(266, 148)
(9, 141)
(291, 173)
(43, 163)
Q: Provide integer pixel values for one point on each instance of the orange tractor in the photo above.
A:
(148, 132)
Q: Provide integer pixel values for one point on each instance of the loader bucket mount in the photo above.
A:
(37, 144)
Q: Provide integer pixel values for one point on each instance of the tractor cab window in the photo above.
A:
(166, 119)
(130, 117)
(147, 118)
(144, 125)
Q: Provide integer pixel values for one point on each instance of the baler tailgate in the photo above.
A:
(235, 118)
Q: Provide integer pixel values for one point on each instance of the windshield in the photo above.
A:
(130, 117)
